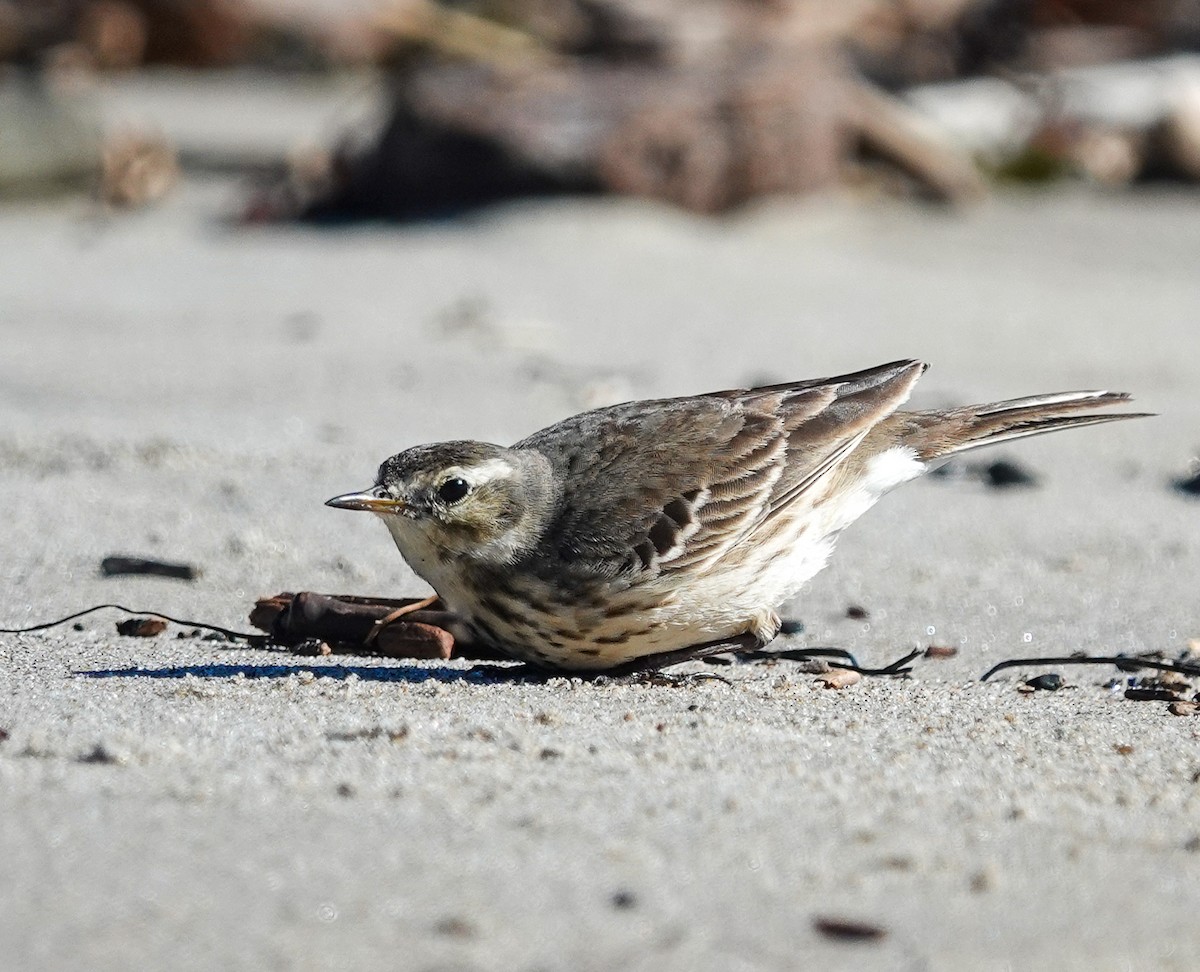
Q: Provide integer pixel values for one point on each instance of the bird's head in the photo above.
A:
(460, 500)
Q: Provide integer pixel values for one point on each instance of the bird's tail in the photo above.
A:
(935, 435)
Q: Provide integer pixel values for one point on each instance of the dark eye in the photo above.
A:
(452, 490)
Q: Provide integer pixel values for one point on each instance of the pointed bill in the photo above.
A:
(370, 501)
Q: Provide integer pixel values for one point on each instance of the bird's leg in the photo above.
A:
(395, 615)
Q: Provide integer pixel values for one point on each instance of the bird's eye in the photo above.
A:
(452, 490)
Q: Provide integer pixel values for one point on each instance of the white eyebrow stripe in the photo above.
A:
(485, 472)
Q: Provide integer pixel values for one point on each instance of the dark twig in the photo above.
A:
(799, 654)
(850, 663)
(251, 639)
(1123, 662)
(899, 667)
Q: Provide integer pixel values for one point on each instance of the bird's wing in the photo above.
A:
(652, 487)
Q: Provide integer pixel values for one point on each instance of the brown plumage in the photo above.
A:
(649, 529)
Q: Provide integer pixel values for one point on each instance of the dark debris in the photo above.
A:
(1004, 473)
(999, 474)
(848, 929)
(124, 566)
(1188, 485)
(141, 627)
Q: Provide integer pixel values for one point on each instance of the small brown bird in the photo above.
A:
(651, 532)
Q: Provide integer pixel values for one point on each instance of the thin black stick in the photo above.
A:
(895, 668)
(253, 639)
(803, 654)
(1121, 661)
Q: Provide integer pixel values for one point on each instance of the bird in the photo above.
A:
(635, 536)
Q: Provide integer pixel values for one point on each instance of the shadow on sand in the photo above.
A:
(478, 674)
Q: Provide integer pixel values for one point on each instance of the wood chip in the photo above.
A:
(141, 627)
(940, 651)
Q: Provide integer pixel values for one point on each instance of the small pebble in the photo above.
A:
(99, 755)
(1050, 682)
(623, 900)
(312, 647)
(856, 612)
(839, 678)
(1174, 680)
(1183, 708)
(1122, 749)
(983, 880)
(455, 927)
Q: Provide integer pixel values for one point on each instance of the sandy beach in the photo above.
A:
(174, 387)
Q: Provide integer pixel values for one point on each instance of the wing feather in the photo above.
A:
(653, 487)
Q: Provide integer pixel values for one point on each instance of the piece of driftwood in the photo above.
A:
(398, 628)
(706, 138)
(706, 106)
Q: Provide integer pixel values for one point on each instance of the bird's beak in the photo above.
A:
(370, 500)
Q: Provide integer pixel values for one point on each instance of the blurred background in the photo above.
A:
(418, 108)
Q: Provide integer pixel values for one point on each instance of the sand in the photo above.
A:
(173, 387)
